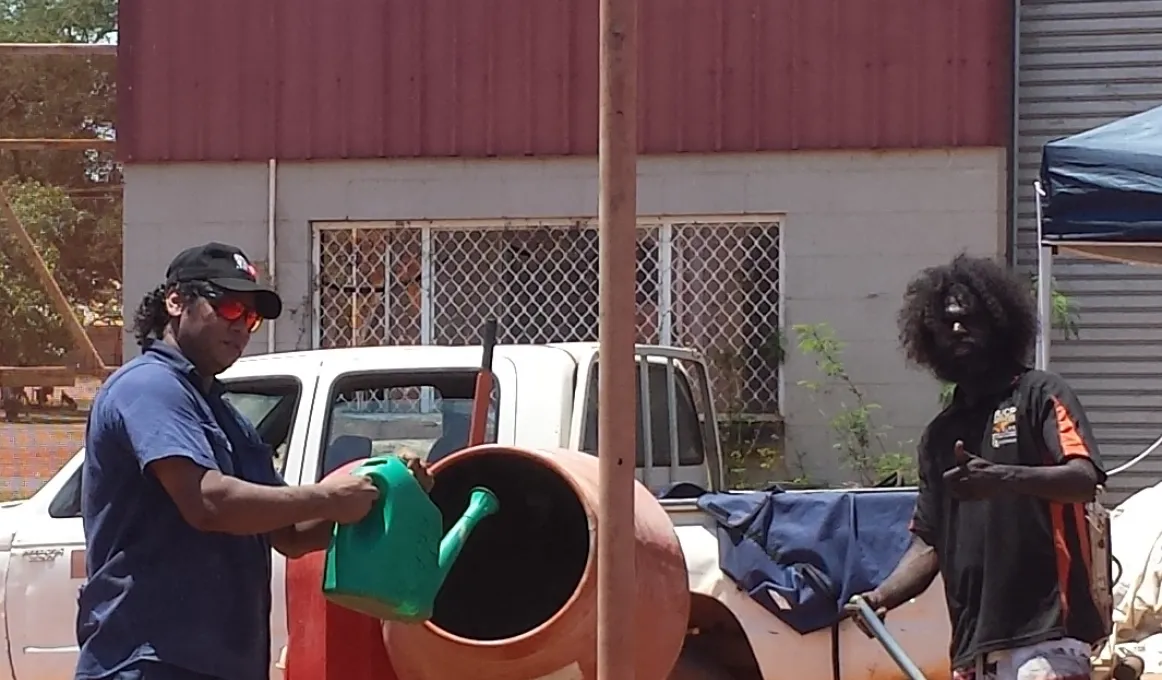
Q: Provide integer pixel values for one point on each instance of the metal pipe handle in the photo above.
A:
(880, 632)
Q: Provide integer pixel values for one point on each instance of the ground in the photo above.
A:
(33, 449)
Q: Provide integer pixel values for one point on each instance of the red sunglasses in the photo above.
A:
(233, 310)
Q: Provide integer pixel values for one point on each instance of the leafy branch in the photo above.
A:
(750, 446)
(858, 437)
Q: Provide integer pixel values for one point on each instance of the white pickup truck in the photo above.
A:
(419, 398)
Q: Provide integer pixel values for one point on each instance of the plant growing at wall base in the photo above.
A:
(858, 437)
(752, 454)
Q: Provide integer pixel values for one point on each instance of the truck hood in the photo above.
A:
(10, 514)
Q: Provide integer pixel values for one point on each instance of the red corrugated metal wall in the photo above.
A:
(312, 79)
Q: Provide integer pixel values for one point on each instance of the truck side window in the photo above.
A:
(268, 403)
(376, 414)
(691, 448)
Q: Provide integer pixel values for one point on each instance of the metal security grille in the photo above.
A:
(709, 284)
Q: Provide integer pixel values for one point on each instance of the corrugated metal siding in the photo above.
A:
(1084, 63)
(306, 79)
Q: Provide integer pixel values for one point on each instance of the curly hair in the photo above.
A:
(151, 317)
(1003, 298)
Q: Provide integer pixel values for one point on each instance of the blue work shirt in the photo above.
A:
(157, 588)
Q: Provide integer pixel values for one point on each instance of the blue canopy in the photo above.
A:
(1104, 190)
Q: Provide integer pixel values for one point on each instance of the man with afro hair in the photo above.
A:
(1006, 473)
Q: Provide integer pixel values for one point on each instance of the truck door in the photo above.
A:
(47, 564)
(45, 568)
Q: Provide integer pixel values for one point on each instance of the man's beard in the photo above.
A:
(979, 365)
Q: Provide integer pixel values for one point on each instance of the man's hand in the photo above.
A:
(973, 478)
(875, 601)
(349, 497)
(419, 469)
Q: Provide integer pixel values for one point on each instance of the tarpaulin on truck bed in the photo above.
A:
(802, 555)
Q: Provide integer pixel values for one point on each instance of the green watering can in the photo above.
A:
(391, 564)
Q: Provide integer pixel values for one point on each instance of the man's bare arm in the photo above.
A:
(211, 501)
(911, 577)
(1073, 481)
(303, 538)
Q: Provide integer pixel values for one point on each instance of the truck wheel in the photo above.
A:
(693, 665)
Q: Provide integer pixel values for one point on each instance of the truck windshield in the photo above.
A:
(426, 414)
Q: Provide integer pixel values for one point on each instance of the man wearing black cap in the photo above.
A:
(181, 500)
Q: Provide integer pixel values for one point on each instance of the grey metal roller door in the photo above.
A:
(1084, 63)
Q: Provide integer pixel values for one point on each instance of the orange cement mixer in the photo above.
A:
(520, 602)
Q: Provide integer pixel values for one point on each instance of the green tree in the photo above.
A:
(69, 200)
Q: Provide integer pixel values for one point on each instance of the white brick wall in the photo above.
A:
(857, 226)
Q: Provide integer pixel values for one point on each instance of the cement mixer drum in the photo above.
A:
(521, 601)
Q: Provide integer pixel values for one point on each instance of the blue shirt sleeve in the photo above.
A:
(160, 418)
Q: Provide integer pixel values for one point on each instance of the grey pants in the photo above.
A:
(1065, 659)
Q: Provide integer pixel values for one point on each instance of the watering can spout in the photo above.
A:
(481, 503)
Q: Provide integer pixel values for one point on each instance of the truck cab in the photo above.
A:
(320, 409)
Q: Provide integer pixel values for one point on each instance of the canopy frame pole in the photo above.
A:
(1044, 286)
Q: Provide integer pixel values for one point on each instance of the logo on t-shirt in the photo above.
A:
(1004, 426)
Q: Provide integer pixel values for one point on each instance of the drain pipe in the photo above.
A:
(1013, 161)
(271, 187)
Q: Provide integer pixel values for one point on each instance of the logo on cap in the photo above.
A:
(245, 266)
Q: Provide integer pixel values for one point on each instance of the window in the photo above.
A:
(691, 448)
(253, 406)
(268, 403)
(377, 414)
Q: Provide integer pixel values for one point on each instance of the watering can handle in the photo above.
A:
(368, 469)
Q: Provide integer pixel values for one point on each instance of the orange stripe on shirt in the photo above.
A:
(1082, 525)
(1072, 445)
(1064, 559)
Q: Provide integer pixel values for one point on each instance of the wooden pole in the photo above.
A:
(617, 400)
(43, 49)
(37, 144)
(90, 358)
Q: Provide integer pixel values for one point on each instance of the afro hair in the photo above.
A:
(1002, 296)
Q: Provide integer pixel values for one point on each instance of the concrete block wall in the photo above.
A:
(857, 226)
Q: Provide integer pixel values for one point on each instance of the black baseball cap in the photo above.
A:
(228, 268)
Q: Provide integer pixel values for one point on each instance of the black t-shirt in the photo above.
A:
(1015, 568)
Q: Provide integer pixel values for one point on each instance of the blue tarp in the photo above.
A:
(1105, 185)
(803, 555)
